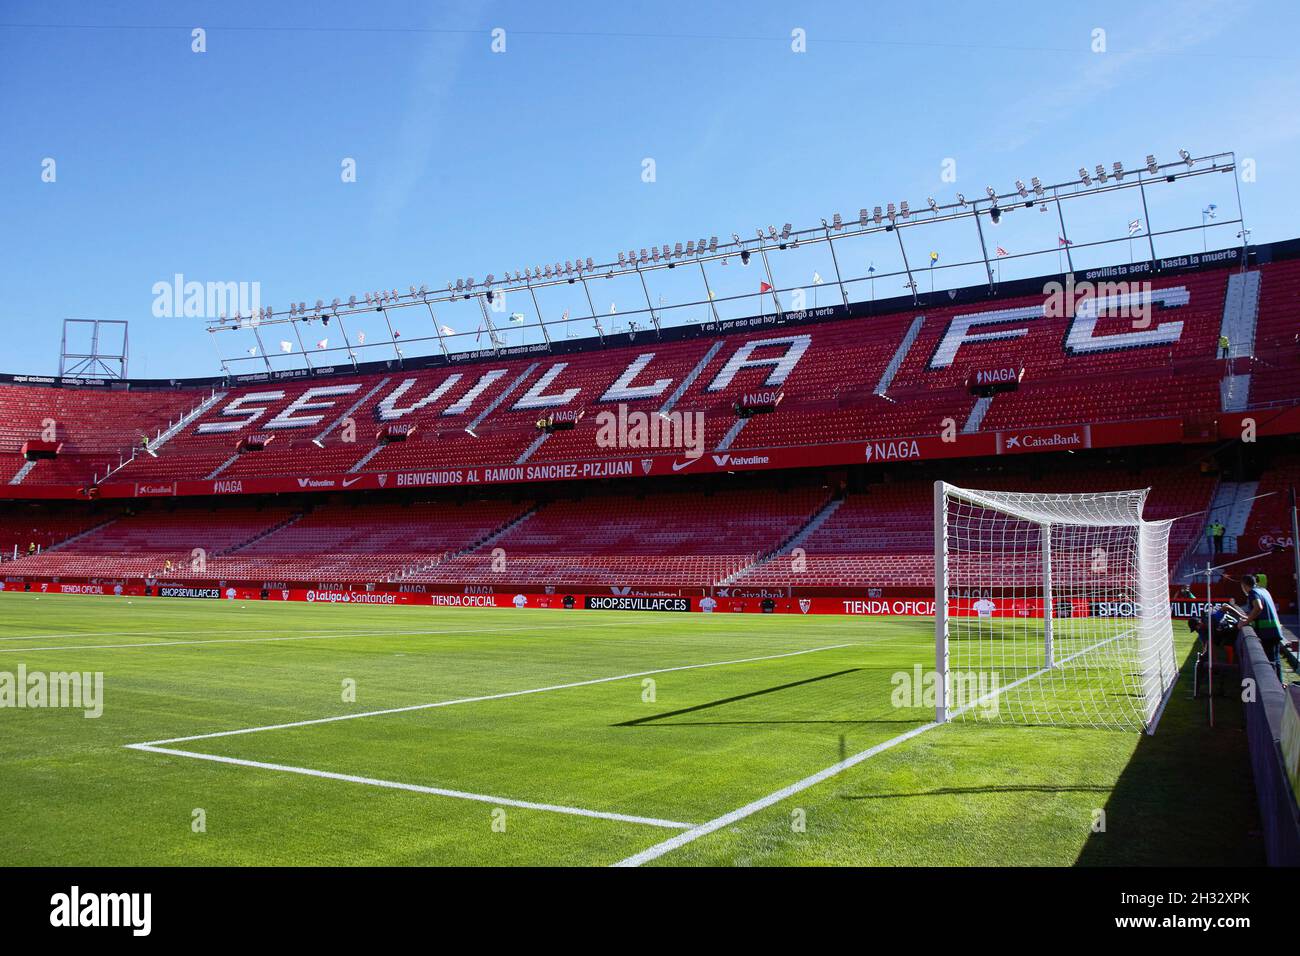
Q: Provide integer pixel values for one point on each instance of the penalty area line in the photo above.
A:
(485, 697)
(417, 788)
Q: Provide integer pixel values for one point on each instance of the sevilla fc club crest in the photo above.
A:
(646, 464)
(804, 605)
(383, 480)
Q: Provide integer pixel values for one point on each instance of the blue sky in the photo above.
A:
(226, 165)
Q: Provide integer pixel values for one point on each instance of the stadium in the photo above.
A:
(958, 532)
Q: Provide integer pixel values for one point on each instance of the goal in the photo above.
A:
(1051, 608)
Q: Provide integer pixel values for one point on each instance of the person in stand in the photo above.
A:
(31, 548)
(1225, 346)
(1216, 530)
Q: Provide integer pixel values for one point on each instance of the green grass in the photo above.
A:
(712, 739)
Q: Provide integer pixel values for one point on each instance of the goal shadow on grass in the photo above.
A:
(1185, 797)
(654, 719)
(966, 791)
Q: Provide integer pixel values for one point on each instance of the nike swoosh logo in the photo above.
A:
(679, 465)
(349, 482)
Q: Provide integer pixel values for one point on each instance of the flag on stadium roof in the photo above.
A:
(361, 338)
(447, 330)
(253, 350)
(934, 257)
(1062, 241)
(1135, 227)
(322, 343)
(1208, 211)
(763, 287)
(612, 308)
(817, 278)
(286, 346)
(1002, 252)
(516, 317)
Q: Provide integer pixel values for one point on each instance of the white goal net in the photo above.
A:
(1051, 608)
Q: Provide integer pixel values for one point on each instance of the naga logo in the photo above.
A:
(227, 487)
(892, 450)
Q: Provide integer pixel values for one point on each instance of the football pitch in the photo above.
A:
(279, 734)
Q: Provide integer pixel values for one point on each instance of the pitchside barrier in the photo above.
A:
(1273, 734)
(881, 602)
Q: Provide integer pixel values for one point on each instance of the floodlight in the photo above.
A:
(1083, 174)
(891, 212)
(934, 206)
(1187, 157)
(1037, 184)
(993, 193)
(1152, 166)
(903, 210)
(1020, 188)
(1101, 172)
(1118, 168)
(786, 230)
(875, 215)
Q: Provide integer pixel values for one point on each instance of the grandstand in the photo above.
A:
(826, 495)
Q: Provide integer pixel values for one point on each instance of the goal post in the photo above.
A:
(1051, 608)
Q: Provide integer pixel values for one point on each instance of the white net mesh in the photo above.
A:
(1052, 609)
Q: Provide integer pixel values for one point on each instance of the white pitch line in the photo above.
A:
(485, 697)
(704, 829)
(305, 637)
(163, 633)
(416, 788)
